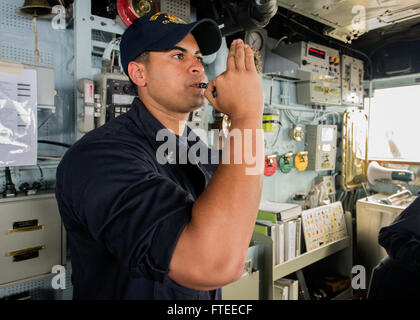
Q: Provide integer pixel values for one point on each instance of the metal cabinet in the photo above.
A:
(32, 238)
(371, 216)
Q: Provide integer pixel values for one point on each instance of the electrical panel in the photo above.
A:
(321, 142)
(319, 72)
(309, 56)
(352, 81)
(117, 93)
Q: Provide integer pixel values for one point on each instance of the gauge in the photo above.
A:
(257, 39)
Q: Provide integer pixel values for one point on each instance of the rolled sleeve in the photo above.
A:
(164, 240)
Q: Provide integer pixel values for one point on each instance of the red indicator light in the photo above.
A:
(316, 53)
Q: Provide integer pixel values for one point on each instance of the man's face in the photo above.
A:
(172, 77)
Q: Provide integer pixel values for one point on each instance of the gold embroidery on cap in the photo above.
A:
(155, 16)
(174, 19)
(169, 18)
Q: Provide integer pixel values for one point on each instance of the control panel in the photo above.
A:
(319, 72)
(326, 77)
(309, 56)
(321, 142)
(117, 93)
(324, 84)
(352, 81)
(119, 96)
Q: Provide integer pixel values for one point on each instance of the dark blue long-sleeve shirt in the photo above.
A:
(123, 210)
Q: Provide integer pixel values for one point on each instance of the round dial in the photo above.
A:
(141, 7)
(255, 40)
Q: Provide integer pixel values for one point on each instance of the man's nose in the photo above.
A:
(196, 67)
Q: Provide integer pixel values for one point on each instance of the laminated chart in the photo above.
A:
(323, 225)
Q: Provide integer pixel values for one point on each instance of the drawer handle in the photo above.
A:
(24, 251)
(25, 226)
(26, 229)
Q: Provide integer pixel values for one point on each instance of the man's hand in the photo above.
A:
(211, 250)
(239, 90)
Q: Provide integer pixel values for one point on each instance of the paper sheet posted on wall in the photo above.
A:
(18, 107)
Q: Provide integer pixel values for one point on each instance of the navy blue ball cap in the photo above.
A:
(161, 31)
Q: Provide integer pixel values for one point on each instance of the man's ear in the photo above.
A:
(137, 73)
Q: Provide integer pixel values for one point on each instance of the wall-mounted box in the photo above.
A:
(321, 142)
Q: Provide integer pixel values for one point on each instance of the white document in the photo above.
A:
(281, 243)
(298, 235)
(291, 239)
(275, 237)
(18, 113)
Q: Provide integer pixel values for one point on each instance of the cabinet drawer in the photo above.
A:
(30, 237)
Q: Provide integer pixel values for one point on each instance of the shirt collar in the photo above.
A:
(150, 126)
(147, 124)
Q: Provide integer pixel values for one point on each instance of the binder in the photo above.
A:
(282, 254)
(271, 230)
(298, 235)
(290, 243)
(277, 211)
(293, 286)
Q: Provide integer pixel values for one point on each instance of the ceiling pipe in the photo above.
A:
(249, 15)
